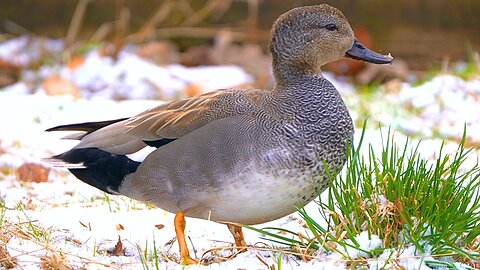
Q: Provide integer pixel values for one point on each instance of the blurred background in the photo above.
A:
(420, 31)
(423, 33)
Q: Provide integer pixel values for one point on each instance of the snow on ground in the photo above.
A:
(101, 76)
(83, 224)
(445, 105)
(127, 76)
(24, 50)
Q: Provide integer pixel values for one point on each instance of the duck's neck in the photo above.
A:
(286, 72)
(299, 82)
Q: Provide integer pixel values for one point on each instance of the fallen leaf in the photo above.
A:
(160, 226)
(119, 227)
(75, 241)
(6, 260)
(193, 90)
(31, 172)
(55, 85)
(29, 205)
(118, 251)
(9, 72)
(75, 62)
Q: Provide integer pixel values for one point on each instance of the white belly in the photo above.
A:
(256, 198)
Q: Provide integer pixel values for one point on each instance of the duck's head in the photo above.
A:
(305, 38)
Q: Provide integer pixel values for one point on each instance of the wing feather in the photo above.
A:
(178, 118)
(168, 121)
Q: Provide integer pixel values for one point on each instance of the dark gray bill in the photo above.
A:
(360, 52)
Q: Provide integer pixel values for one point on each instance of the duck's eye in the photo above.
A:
(331, 27)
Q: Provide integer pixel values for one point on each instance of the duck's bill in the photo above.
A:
(360, 52)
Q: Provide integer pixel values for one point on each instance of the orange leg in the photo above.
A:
(238, 236)
(179, 222)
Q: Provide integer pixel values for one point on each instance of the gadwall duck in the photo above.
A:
(235, 156)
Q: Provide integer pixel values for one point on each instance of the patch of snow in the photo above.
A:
(18, 88)
(27, 252)
(127, 77)
(22, 51)
(366, 242)
(211, 77)
(409, 258)
(132, 77)
(445, 104)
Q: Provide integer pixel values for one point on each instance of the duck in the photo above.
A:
(234, 156)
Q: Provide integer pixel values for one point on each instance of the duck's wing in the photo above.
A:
(164, 123)
(174, 120)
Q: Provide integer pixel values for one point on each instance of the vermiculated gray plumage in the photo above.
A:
(245, 156)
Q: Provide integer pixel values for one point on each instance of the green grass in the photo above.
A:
(149, 256)
(402, 198)
(2, 213)
(31, 229)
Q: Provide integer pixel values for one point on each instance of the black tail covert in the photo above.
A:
(103, 170)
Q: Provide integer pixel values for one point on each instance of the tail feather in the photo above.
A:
(98, 168)
(100, 159)
(55, 162)
(86, 128)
